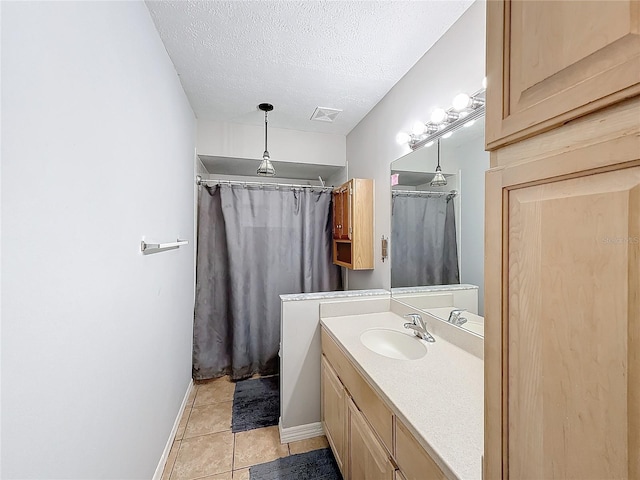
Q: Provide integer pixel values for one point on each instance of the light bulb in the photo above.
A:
(447, 135)
(461, 101)
(438, 115)
(402, 138)
(484, 82)
(469, 123)
(428, 144)
(418, 128)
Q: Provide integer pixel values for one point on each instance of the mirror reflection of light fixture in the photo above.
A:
(266, 168)
(438, 179)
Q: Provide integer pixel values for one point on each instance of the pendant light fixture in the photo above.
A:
(438, 179)
(266, 168)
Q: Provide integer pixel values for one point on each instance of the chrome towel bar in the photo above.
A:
(153, 247)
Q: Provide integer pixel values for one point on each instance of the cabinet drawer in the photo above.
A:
(413, 461)
(376, 412)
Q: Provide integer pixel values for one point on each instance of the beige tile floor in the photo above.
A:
(206, 449)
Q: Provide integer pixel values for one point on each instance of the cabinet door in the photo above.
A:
(549, 62)
(413, 460)
(333, 412)
(344, 214)
(567, 352)
(341, 213)
(368, 460)
(338, 207)
(347, 212)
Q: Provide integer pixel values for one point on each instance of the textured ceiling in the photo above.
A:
(297, 55)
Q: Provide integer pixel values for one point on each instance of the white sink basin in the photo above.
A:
(393, 344)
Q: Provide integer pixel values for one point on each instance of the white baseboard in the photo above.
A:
(172, 435)
(299, 432)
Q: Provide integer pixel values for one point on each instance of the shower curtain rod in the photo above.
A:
(453, 193)
(202, 181)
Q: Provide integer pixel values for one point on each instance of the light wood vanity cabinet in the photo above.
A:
(353, 224)
(334, 415)
(550, 62)
(368, 441)
(411, 457)
(368, 459)
(562, 241)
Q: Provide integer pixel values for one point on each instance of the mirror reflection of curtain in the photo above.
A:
(255, 244)
(423, 241)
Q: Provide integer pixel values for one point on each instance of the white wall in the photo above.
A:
(454, 64)
(300, 354)
(97, 153)
(222, 139)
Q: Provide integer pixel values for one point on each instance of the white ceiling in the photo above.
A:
(297, 55)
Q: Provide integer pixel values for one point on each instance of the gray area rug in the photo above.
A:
(315, 465)
(256, 404)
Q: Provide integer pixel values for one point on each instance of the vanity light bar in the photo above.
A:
(449, 128)
(466, 108)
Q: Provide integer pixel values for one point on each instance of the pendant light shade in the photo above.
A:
(438, 179)
(266, 168)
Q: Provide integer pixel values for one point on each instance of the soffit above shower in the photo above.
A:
(232, 55)
(247, 168)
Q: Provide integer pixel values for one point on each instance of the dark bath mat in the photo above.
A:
(315, 465)
(256, 403)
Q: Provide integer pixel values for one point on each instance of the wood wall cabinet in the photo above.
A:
(562, 243)
(368, 441)
(550, 62)
(353, 224)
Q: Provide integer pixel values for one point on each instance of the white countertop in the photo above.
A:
(440, 397)
(295, 297)
(433, 288)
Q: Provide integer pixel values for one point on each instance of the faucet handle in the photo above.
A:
(415, 318)
(455, 314)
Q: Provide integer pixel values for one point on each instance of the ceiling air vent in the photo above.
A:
(324, 114)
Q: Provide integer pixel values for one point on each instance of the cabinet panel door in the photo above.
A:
(572, 385)
(345, 217)
(368, 460)
(336, 213)
(333, 412)
(341, 215)
(549, 62)
(412, 459)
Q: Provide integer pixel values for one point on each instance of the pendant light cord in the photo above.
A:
(265, 132)
(438, 154)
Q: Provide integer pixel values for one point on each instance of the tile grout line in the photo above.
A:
(233, 455)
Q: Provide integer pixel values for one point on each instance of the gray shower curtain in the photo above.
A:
(255, 244)
(423, 241)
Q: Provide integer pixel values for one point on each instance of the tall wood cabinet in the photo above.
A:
(353, 224)
(562, 240)
(549, 62)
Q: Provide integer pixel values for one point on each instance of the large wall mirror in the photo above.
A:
(437, 232)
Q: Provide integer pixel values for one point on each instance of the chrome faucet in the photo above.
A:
(455, 318)
(419, 327)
